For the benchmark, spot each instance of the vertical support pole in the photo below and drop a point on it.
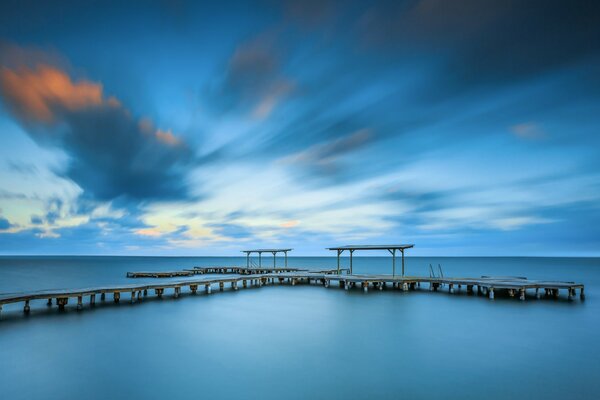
(394, 263)
(92, 299)
(274, 259)
(402, 251)
(260, 259)
(247, 260)
(285, 255)
(338, 260)
(351, 251)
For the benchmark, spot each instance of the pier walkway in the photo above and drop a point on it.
(224, 270)
(236, 277)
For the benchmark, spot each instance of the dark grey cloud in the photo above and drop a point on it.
(5, 224)
(112, 155)
(485, 42)
(254, 81)
(36, 220)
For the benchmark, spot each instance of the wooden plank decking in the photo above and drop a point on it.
(486, 286)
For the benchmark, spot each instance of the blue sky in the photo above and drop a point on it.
(189, 128)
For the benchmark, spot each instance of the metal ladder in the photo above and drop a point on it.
(440, 272)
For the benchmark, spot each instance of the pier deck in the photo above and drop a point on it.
(485, 286)
(224, 271)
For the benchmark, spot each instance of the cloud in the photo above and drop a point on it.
(484, 43)
(528, 130)
(36, 220)
(254, 82)
(323, 158)
(5, 224)
(40, 93)
(111, 155)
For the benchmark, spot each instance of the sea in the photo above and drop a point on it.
(301, 342)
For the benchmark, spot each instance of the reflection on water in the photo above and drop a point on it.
(301, 342)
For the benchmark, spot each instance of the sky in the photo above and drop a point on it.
(193, 128)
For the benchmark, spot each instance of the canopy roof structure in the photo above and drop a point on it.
(260, 251)
(374, 247)
(392, 248)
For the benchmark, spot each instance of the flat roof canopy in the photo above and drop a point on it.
(260, 251)
(374, 247)
(266, 250)
(392, 248)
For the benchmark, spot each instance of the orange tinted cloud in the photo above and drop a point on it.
(290, 224)
(38, 93)
(167, 137)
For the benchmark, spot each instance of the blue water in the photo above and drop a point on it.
(300, 342)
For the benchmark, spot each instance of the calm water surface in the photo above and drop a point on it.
(302, 342)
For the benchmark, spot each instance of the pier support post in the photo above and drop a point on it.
(139, 295)
(116, 297)
(451, 288)
(365, 286)
(49, 302)
(405, 287)
(570, 294)
(234, 284)
(92, 300)
(511, 292)
(469, 289)
(221, 285)
(326, 283)
(0, 310)
(581, 294)
(132, 300)
(244, 283)
(79, 302)
(194, 288)
(177, 291)
(491, 291)
(556, 293)
(102, 296)
(145, 292)
(62, 302)
(537, 293)
(522, 294)
(207, 288)
(26, 309)
(346, 285)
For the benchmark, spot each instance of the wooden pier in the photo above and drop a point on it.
(224, 271)
(484, 286)
(159, 274)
